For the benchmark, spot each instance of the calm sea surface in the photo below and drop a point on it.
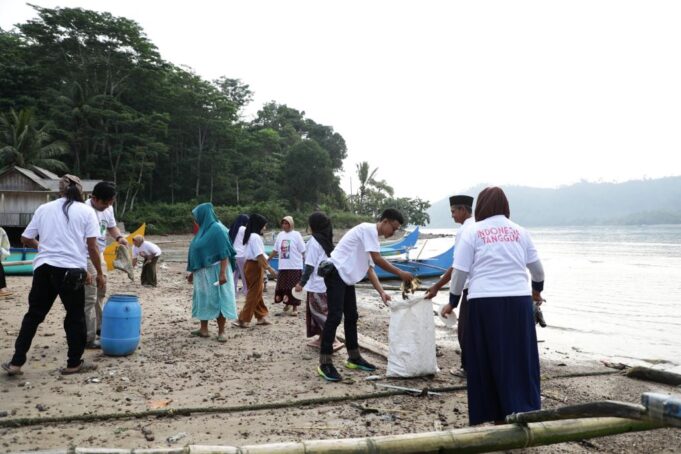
(612, 292)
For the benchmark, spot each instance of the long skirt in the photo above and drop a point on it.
(255, 305)
(239, 273)
(149, 272)
(317, 309)
(3, 282)
(502, 359)
(211, 301)
(286, 281)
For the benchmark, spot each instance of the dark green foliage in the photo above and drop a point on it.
(102, 103)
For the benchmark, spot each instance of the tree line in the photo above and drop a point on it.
(88, 93)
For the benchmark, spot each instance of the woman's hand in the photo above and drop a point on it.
(446, 310)
(385, 298)
(190, 278)
(299, 288)
(223, 278)
(536, 297)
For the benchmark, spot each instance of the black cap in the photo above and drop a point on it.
(465, 200)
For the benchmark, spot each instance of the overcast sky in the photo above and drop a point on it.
(443, 95)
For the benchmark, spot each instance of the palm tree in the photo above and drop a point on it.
(367, 182)
(23, 144)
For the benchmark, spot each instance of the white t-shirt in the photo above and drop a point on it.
(239, 245)
(290, 248)
(147, 250)
(63, 242)
(254, 247)
(466, 224)
(495, 252)
(314, 255)
(351, 256)
(106, 221)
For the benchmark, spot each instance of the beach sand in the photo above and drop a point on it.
(262, 364)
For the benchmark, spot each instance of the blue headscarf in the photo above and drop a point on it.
(211, 243)
(242, 219)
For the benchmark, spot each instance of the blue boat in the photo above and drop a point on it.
(430, 267)
(19, 255)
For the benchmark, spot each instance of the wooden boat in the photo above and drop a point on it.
(19, 262)
(428, 267)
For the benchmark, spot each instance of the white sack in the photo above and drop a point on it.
(411, 338)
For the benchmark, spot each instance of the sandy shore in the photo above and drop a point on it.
(256, 366)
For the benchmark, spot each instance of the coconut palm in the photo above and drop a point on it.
(368, 184)
(24, 145)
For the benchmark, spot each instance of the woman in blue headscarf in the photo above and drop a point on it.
(236, 236)
(210, 264)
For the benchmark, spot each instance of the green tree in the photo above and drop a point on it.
(24, 144)
(307, 174)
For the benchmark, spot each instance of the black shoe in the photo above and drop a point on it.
(328, 372)
(361, 364)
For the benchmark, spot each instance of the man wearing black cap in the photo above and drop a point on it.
(461, 207)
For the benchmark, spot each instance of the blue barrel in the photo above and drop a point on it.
(121, 323)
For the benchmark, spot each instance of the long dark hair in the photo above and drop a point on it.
(491, 202)
(72, 194)
(255, 224)
(322, 231)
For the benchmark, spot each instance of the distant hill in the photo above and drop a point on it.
(656, 201)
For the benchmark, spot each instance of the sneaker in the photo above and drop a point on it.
(361, 364)
(328, 372)
(94, 345)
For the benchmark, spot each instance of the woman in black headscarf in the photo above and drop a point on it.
(318, 249)
(256, 264)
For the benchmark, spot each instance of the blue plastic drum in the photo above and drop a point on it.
(121, 325)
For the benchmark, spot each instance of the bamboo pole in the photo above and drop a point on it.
(467, 440)
(17, 263)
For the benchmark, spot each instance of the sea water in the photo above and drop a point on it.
(613, 292)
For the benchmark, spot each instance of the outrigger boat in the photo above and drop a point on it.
(428, 267)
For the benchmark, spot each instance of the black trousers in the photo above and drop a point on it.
(462, 325)
(342, 304)
(3, 283)
(48, 282)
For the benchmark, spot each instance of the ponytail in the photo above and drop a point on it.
(72, 194)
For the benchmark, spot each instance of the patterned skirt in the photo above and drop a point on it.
(286, 280)
(315, 314)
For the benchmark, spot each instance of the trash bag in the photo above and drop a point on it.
(411, 339)
(123, 261)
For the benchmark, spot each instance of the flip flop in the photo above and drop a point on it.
(199, 333)
(264, 322)
(221, 339)
(239, 324)
(82, 367)
(11, 372)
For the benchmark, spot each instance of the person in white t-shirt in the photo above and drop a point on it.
(236, 236)
(256, 264)
(68, 231)
(502, 360)
(289, 247)
(352, 260)
(103, 197)
(461, 207)
(317, 250)
(150, 254)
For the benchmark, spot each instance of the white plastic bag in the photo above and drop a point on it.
(411, 338)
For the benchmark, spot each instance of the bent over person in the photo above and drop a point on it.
(150, 254)
(68, 231)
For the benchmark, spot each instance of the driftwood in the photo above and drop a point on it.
(605, 408)
(654, 375)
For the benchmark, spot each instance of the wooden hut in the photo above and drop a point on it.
(23, 190)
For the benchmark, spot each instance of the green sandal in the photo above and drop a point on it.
(199, 333)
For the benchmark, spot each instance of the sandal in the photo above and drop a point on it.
(199, 333)
(263, 321)
(11, 372)
(239, 324)
(294, 313)
(82, 367)
(221, 338)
